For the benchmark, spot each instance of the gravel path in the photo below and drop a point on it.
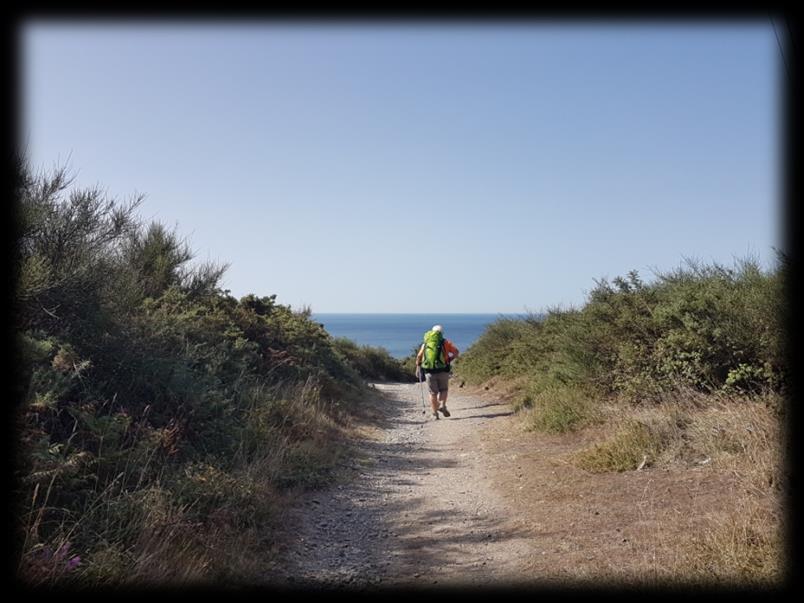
(421, 510)
(475, 500)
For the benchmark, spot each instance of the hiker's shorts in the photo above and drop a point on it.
(437, 382)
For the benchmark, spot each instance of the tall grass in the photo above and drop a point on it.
(558, 409)
(162, 424)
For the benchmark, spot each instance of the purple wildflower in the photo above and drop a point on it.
(61, 552)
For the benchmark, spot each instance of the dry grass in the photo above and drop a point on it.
(744, 545)
(743, 542)
(633, 445)
(204, 523)
(740, 541)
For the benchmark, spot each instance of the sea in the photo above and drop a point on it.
(401, 334)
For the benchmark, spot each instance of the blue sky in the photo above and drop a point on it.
(427, 167)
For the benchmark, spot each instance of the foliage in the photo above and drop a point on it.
(146, 391)
(708, 327)
(373, 362)
(558, 409)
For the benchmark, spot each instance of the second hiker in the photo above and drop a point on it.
(434, 358)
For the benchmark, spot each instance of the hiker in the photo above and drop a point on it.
(434, 358)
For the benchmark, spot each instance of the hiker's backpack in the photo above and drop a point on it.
(435, 356)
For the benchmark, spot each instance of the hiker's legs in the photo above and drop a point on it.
(443, 386)
(434, 401)
(437, 384)
(442, 394)
(432, 385)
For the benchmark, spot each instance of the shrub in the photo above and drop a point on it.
(155, 407)
(704, 326)
(372, 362)
(559, 409)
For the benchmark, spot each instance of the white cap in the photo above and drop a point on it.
(437, 328)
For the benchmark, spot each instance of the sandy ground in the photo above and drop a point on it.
(474, 500)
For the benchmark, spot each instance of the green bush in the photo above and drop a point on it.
(139, 376)
(706, 327)
(559, 409)
(372, 362)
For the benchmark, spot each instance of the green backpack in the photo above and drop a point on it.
(434, 354)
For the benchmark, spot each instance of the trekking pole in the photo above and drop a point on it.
(424, 406)
(421, 390)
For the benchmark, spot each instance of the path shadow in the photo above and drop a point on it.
(487, 405)
(488, 416)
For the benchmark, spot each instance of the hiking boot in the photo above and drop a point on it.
(444, 410)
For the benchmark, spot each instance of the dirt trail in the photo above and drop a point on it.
(474, 500)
